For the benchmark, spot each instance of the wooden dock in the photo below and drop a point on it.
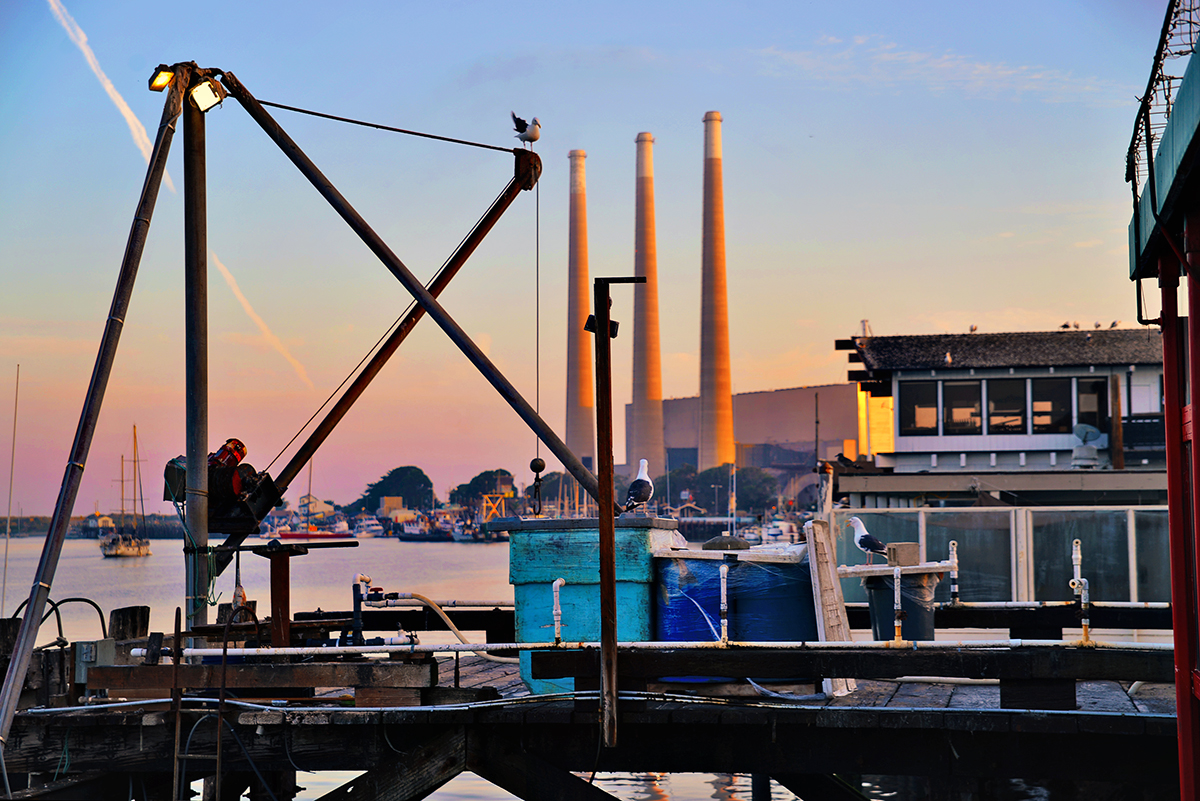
(534, 748)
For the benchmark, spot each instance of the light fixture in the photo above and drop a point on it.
(207, 94)
(161, 78)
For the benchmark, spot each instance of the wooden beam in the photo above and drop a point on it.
(999, 663)
(347, 674)
(421, 769)
(520, 771)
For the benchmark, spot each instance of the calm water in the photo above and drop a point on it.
(322, 579)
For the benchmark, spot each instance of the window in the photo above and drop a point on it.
(1051, 405)
(1093, 402)
(1006, 406)
(918, 408)
(962, 403)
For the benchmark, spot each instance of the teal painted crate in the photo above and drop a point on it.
(542, 550)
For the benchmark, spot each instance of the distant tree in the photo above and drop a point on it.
(409, 483)
(675, 483)
(472, 492)
(712, 490)
(756, 489)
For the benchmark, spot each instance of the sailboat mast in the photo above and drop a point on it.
(12, 462)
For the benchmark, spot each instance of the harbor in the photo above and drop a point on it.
(966, 572)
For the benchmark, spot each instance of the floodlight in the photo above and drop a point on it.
(161, 78)
(207, 94)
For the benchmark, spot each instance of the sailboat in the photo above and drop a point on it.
(123, 542)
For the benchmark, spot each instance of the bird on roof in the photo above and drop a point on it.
(949, 359)
(864, 541)
(525, 131)
(974, 328)
(1097, 323)
(1115, 323)
(641, 490)
(1065, 326)
(1076, 324)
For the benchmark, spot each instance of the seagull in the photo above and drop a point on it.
(863, 539)
(1076, 324)
(949, 359)
(525, 131)
(974, 328)
(1097, 324)
(1065, 326)
(641, 490)
(1115, 323)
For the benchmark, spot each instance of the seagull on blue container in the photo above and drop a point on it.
(641, 490)
(866, 543)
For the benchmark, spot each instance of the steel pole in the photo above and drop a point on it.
(604, 453)
(195, 246)
(1179, 519)
(439, 315)
(40, 591)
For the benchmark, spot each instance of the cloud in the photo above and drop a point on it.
(270, 337)
(875, 61)
(135, 126)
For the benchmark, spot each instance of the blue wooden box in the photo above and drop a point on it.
(542, 550)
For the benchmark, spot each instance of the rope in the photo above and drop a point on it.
(537, 309)
(385, 127)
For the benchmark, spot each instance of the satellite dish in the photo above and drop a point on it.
(1086, 433)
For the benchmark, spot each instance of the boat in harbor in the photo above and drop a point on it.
(120, 541)
(367, 528)
(119, 544)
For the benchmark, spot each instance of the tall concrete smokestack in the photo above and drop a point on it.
(646, 441)
(716, 391)
(581, 414)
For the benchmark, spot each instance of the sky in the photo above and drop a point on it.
(924, 166)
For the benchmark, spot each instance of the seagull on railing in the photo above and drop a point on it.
(864, 540)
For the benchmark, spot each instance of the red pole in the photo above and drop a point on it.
(1180, 494)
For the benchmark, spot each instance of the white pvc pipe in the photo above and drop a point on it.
(724, 570)
(665, 646)
(558, 583)
(406, 599)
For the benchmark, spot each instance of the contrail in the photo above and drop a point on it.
(135, 126)
(262, 326)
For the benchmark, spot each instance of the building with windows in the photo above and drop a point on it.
(1017, 401)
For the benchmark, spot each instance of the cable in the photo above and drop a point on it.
(385, 127)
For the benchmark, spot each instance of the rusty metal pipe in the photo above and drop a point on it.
(73, 475)
(459, 337)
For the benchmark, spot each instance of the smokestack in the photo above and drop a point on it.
(581, 415)
(646, 440)
(716, 392)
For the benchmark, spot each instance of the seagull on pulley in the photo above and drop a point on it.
(641, 490)
(865, 542)
(525, 131)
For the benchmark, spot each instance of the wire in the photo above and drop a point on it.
(385, 127)
(537, 308)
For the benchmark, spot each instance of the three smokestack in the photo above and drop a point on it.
(646, 440)
(716, 389)
(581, 413)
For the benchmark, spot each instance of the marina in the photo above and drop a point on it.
(957, 645)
